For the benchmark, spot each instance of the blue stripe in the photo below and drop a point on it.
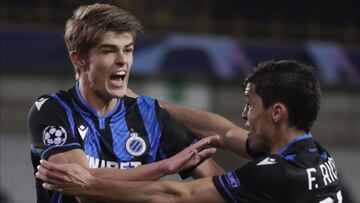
(302, 137)
(313, 149)
(34, 151)
(120, 133)
(324, 155)
(290, 157)
(91, 142)
(56, 197)
(62, 146)
(91, 109)
(148, 113)
(68, 112)
(60, 198)
(226, 189)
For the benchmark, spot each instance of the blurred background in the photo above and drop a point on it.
(194, 53)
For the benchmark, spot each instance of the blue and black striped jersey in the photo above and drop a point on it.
(136, 132)
(301, 172)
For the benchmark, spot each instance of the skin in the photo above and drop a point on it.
(74, 180)
(263, 124)
(114, 53)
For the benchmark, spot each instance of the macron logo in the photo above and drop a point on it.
(267, 161)
(40, 102)
(82, 131)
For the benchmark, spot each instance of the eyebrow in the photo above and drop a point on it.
(112, 46)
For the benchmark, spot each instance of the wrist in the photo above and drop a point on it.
(164, 167)
(93, 186)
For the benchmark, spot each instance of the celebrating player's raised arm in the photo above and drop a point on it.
(203, 124)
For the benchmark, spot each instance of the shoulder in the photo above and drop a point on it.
(267, 174)
(49, 105)
(260, 168)
(260, 180)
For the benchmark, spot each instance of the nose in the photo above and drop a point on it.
(244, 113)
(120, 59)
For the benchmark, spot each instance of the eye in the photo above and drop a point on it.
(129, 50)
(106, 51)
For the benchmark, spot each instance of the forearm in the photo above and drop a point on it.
(199, 191)
(152, 171)
(122, 191)
(198, 122)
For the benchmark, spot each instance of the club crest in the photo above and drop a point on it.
(135, 145)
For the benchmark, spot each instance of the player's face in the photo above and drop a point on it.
(109, 65)
(258, 121)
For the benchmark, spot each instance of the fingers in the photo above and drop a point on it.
(51, 173)
(52, 166)
(201, 144)
(206, 153)
(49, 186)
(51, 176)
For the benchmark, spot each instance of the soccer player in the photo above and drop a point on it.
(283, 100)
(94, 125)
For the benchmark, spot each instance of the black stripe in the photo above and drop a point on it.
(134, 121)
(106, 141)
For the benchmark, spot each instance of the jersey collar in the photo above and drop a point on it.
(291, 144)
(86, 107)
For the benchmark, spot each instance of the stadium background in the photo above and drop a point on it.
(194, 53)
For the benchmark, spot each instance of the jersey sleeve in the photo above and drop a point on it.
(260, 180)
(51, 128)
(174, 138)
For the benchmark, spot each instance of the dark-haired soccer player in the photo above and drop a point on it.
(283, 100)
(94, 125)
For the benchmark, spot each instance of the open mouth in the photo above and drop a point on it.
(118, 76)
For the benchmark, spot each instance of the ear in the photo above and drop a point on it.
(280, 112)
(76, 59)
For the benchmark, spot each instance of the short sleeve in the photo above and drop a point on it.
(260, 180)
(51, 128)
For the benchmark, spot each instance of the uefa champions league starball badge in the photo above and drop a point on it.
(135, 145)
(54, 136)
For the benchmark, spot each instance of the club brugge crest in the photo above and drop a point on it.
(135, 145)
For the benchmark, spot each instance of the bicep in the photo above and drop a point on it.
(75, 156)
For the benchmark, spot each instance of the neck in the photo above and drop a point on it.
(284, 137)
(100, 103)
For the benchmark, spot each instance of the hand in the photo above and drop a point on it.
(68, 178)
(191, 156)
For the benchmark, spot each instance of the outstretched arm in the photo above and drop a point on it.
(190, 156)
(78, 181)
(204, 124)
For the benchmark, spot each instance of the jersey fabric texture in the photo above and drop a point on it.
(301, 172)
(136, 132)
